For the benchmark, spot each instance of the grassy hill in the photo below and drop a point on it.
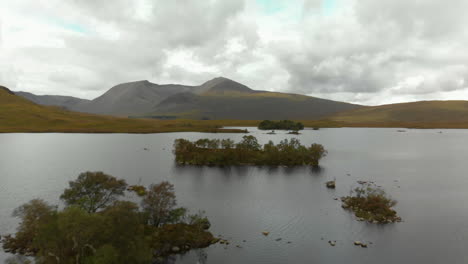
(18, 114)
(423, 114)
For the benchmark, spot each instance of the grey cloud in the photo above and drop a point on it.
(374, 46)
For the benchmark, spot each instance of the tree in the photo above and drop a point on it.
(317, 152)
(249, 143)
(32, 215)
(93, 191)
(125, 233)
(158, 203)
(227, 143)
(92, 230)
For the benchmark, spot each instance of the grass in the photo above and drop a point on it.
(424, 114)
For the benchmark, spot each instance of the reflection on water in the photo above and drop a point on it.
(422, 169)
(198, 256)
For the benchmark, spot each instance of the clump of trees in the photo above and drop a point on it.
(371, 203)
(97, 226)
(281, 125)
(247, 152)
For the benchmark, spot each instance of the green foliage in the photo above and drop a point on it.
(248, 151)
(371, 203)
(138, 189)
(182, 235)
(34, 215)
(281, 125)
(158, 203)
(117, 232)
(93, 191)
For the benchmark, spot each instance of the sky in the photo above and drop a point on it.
(361, 51)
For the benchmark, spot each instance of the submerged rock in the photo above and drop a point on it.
(331, 184)
(357, 243)
(265, 233)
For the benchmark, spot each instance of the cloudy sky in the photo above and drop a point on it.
(361, 51)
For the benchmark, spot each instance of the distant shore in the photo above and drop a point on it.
(146, 126)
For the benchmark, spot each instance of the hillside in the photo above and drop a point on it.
(18, 114)
(424, 114)
(67, 102)
(222, 98)
(130, 98)
(219, 98)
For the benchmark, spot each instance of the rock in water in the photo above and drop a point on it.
(175, 249)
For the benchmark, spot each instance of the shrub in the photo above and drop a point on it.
(371, 203)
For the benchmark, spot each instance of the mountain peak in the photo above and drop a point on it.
(222, 84)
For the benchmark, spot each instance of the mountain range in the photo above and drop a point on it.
(220, 98)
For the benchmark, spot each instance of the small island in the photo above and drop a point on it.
(98, 226)
(371, 203)
(248, 151)
(280, 125)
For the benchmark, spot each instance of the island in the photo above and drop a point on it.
(280, 125)
(216, 152)
(371, 203)
(98, 226)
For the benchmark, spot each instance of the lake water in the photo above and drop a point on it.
(426, 171)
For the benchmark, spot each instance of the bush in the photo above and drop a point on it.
(371, 203)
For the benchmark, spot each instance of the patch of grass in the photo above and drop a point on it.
(424, 114)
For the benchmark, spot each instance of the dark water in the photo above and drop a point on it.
(424, 170)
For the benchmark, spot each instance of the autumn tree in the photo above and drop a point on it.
(158, 203)
(93, 191)
(32, 216)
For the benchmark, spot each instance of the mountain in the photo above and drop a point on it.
(67, 102)
(436, 114)
(222, 98)
(133, 98)
(18, 114)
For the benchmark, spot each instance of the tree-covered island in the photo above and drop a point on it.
(280, 125)
(98, 227)
(248, 151)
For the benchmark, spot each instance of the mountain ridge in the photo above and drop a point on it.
(218, 98)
